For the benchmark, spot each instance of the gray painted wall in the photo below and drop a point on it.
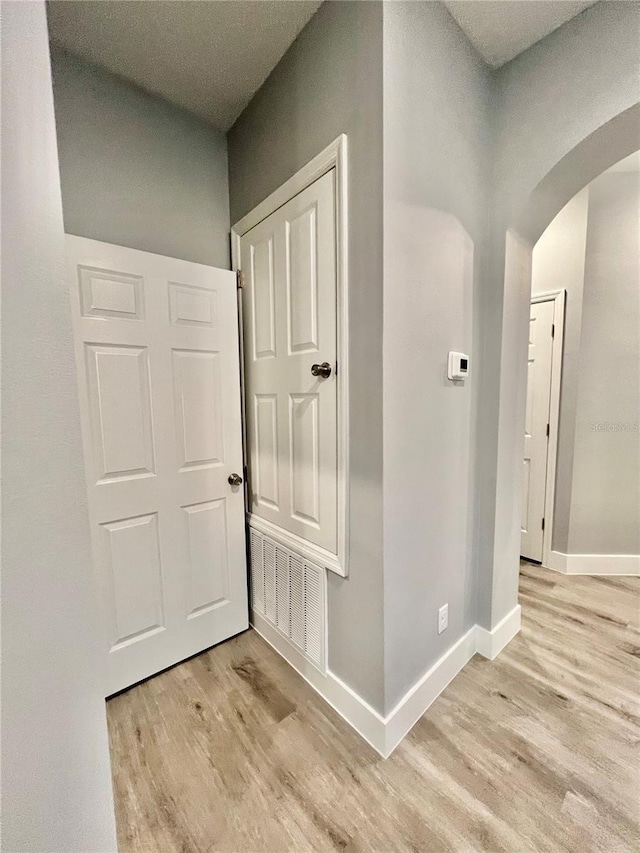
(137, 171)
(431, 140)
(605, 506)
(330, 82)
(436, 160)
(544, 109)
(56, 782)
(558, 262)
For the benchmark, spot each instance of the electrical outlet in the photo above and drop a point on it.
(443, 618)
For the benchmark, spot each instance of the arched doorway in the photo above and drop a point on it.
(511, 258)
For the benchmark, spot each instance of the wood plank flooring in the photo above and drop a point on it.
(232, 752)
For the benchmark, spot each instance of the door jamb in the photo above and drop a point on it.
(558, 297)
(334, 156)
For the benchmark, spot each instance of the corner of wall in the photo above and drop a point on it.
(57, 790)
(126, 155)
(329, 82)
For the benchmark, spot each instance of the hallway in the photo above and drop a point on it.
(233, 751)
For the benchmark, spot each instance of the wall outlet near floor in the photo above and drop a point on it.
(443, 618)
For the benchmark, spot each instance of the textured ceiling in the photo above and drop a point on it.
(208, 57)
(501, 29)
(211, 56)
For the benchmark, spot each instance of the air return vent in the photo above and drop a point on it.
(289, 592)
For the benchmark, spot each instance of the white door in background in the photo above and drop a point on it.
(289, 267)
(158, 370)
(536, 437)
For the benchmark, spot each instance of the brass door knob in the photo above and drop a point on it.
(235, 480)
(323, 370)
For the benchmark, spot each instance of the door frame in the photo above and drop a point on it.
(334, 156)
(558, 297)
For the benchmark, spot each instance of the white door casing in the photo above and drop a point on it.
(289, 266)
(537, 427)
(158, 370)
(333, 157)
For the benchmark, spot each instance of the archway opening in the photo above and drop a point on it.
(609, 144)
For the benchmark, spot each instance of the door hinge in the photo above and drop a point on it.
(543, 523)
(239, 279)
(553, 330)
(548, 430)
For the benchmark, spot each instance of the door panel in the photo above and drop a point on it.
(289, 264)
(134, 567)
(107, 294)
(158, 370)
(536, 420)
(304, 463)
(208, 579)
(302, 294)
(261, 276)
(266, 474)
(198, 413)
(120, 404)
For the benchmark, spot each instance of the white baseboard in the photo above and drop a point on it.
(489, 644)
(594, 564)
(359, 714)
(385, 733)
(399, 722)
(557, 561)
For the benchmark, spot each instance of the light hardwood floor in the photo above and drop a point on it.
(537, 750)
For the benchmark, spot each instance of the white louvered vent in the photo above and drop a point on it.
(289, 592)
(257, 573)
(269, 559)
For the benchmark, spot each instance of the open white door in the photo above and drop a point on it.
(158, 370)
(289, 269)
(537, 428)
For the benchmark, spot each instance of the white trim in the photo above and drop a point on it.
(489, 644)
(385, 733)
(400, 721)
(359, 714)
(557, 561)
(334, 156)
(303, 547)
(594, 564)
(558, 297)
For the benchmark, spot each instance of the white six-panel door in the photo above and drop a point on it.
(158, 370)
(289, 267)
(536, 433)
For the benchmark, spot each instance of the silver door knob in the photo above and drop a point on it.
(235, 480)
(323, 370)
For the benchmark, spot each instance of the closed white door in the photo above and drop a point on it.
(536, 436)
(158, 370)
(289, 268)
